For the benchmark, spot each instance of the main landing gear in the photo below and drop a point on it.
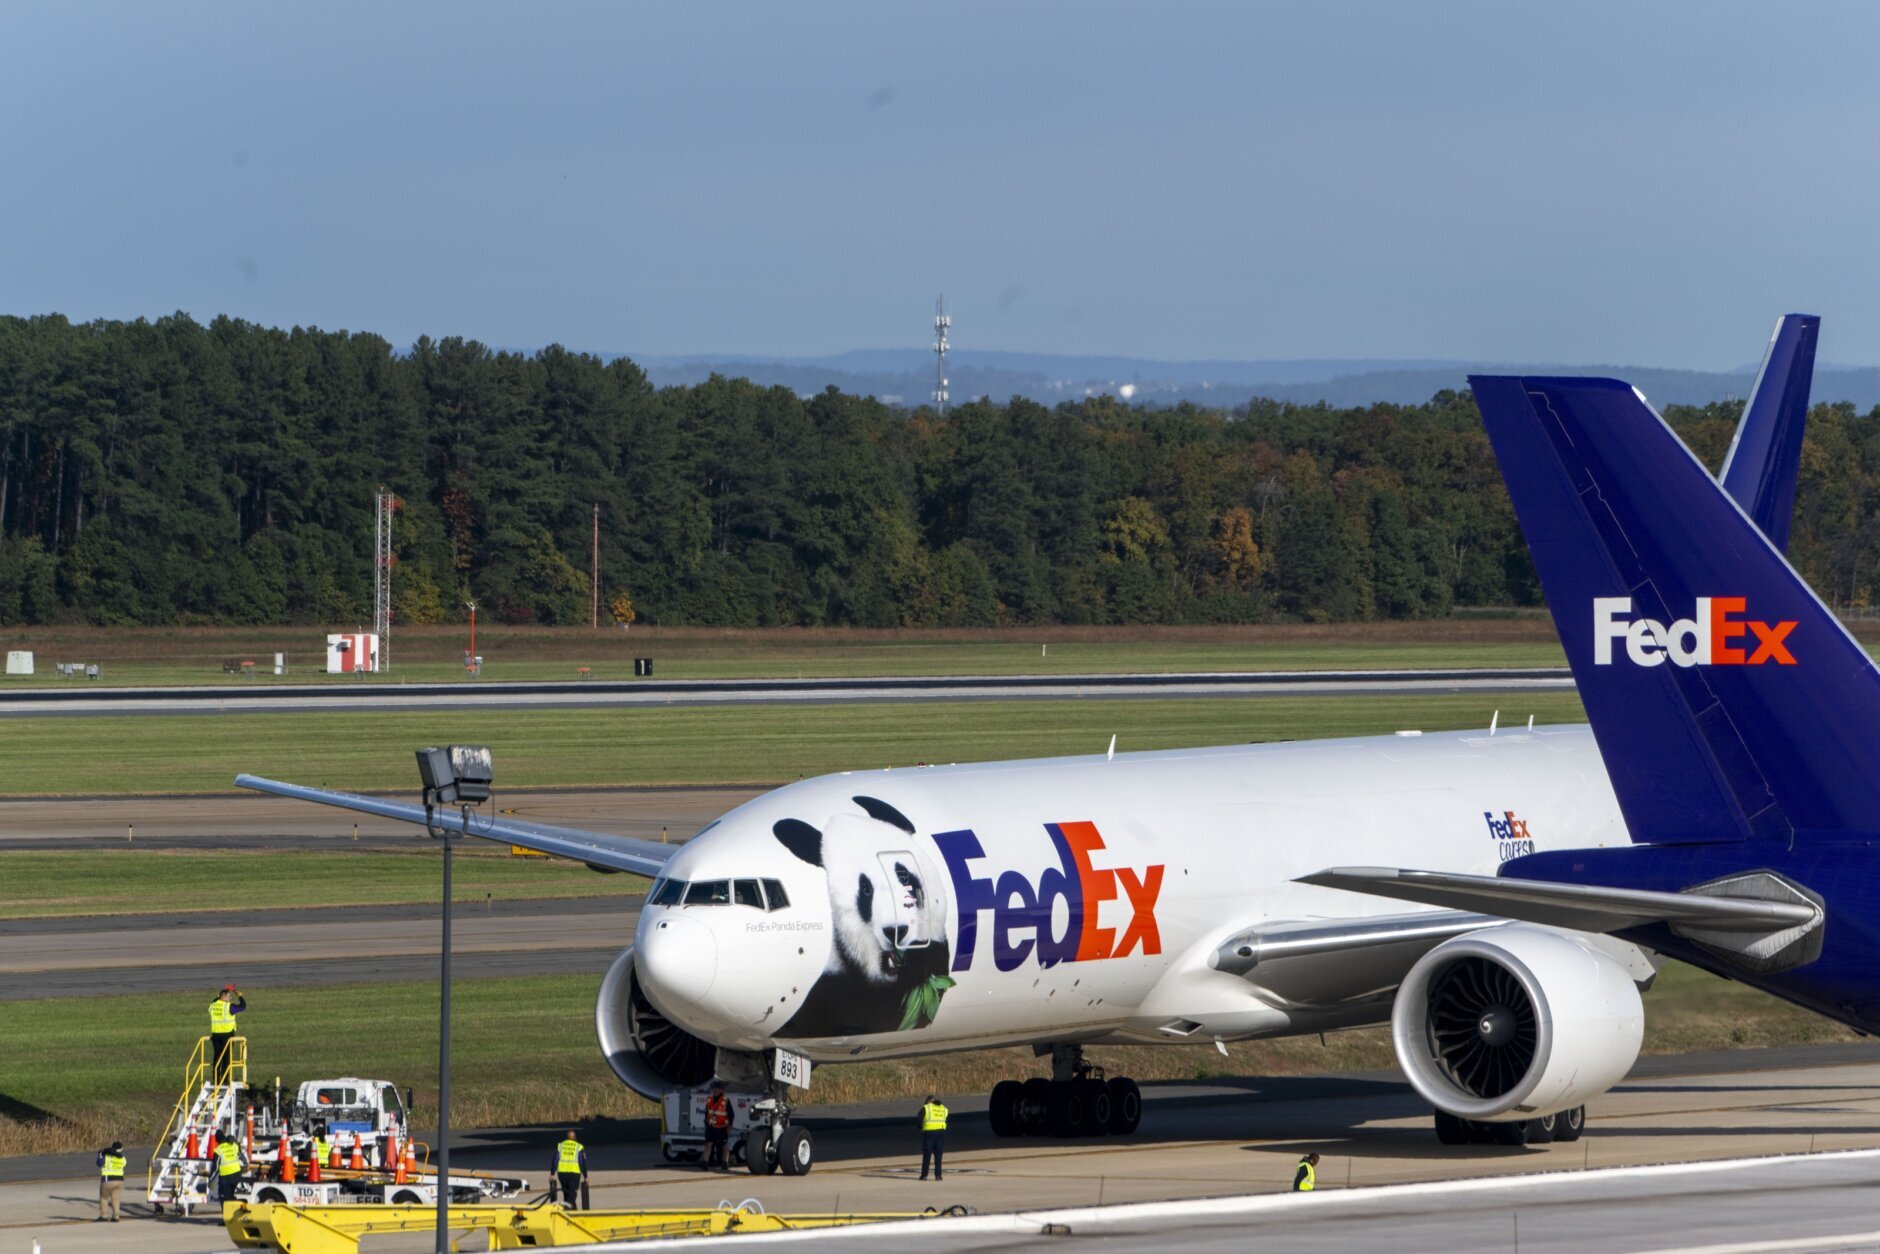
(1076, 1101)
(1567, 1125)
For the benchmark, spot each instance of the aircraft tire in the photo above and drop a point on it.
(1543, 1130)
(1002, 1109)
(757, 1154)
(1070, 1111)
(1097, 1102)
(1034, 1106)
(1125, 1105)
(795, 1153)
(1569, 1124)
(1511, 1134)
(1451, 1129)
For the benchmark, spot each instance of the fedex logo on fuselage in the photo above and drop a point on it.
(1022, 911)
(1707, 638)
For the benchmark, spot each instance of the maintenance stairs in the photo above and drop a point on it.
(181, 1172)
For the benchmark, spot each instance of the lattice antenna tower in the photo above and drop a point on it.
(942, 323)
(383, 505)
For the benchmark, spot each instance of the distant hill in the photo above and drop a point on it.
(905, 377)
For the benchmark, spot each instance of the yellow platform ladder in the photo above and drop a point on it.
(206, 1103)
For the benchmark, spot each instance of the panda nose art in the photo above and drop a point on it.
(677, 961)
(897, 935)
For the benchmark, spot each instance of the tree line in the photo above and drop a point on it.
(168, 472)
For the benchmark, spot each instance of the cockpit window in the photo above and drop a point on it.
(779, 900)
(668, 892)
(709, 893)
(746, 893)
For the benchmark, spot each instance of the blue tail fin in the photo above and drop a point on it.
(1727, 701)
(1760, 470)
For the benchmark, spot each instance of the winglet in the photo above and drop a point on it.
(1760, 469)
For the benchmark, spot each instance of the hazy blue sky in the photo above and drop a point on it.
(1646, 183)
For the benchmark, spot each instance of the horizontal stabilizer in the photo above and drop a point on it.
(605, 852)
(1584, 907)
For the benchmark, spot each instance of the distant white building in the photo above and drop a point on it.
(347, 652)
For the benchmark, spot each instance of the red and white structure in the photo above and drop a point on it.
(350, 651)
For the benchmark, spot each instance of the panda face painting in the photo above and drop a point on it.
(888, 953)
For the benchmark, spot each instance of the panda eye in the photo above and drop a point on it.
(865, 898)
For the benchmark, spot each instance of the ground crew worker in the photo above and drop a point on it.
(717, 1127)
(110, 1181)
(570, 1169)
(1306, 1178)
(222, 1011)
(933, 1136)
(228, 1165)
(321, 1146)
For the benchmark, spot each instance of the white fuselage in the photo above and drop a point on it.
(1080, 899)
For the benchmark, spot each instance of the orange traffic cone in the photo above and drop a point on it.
(332, 1156)
(358, 1160)
(401, 1173)
(249, 1135)
(388, 1150)
(189, 1150)
(411, 1159)
(286, 1159)
(313, 1169)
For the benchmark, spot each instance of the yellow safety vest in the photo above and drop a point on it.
(230, 1159)
(933, 1117)
(321, 1148)
(569, 1156)
(1311, 1181)
(221, 1018)
(113, 1167)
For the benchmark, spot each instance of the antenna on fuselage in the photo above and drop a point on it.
(1112, 753)
(1494, 722)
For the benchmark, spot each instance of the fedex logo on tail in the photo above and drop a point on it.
(1716, 635)
(1022, 912)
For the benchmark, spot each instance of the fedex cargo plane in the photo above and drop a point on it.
(1182, 896)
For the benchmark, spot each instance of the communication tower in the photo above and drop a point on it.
(942, 323)
(383, 505)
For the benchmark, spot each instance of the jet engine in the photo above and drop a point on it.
(650, 1053)
(1515, 1023)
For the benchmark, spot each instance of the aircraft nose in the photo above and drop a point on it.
(678, 960)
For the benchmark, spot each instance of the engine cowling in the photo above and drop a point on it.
(650, 1053)
(1516, 1022)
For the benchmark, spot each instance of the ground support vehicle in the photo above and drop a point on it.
(365, 1123)
(682, 1123)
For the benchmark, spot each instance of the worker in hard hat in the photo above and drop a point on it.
(229, 1164)
(110, 1181)
(222, 1011)
(571, 1167)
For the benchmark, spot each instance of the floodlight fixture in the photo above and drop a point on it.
(456, 775)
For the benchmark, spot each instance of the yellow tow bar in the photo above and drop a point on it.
(339, 1229)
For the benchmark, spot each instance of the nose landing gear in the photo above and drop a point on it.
(773, 1141)
(1077, 1101)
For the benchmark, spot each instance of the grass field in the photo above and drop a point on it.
(743, 745)
(111, 881)
(80, 1072)
(173, 656)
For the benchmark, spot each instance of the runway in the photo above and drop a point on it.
(80, 702)
(1239, 1139)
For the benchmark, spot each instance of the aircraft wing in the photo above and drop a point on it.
(600, 851)
(1583, 907)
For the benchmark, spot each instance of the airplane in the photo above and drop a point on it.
(1158, 897)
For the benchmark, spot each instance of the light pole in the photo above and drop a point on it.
(460, 776)
(470, 658)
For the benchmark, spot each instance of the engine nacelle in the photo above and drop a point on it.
(649, 1052)
(1516, 1022)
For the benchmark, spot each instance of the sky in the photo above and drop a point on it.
(1579, 183)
